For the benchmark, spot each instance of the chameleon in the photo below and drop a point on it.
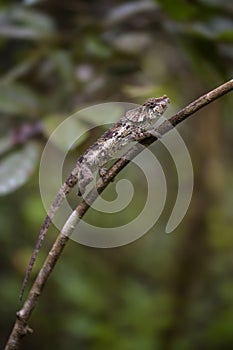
(135, 124)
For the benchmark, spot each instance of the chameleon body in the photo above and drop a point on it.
(135, 124)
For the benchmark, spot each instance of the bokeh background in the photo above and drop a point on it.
(162, 291)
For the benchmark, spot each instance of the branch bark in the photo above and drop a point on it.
(21, 327)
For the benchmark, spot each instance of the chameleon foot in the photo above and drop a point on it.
(102, 173)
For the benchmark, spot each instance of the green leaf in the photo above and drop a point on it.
(101, 114)
(226, 36)
(21, 22)
(97, 48)
(17, 99)
(65, 131)
(5, 144)
(17, 167)
(180, 10)
(65, 67)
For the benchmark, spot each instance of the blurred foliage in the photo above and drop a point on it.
(163, 291)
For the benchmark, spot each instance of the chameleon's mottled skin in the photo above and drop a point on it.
(136, 123)
(131, 126)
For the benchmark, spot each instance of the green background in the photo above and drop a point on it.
(162, 291)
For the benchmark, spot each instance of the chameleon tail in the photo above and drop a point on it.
(39, 242)
(65, 189)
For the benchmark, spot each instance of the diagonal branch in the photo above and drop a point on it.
(21, 327)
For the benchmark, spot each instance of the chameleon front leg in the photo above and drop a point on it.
(102, 173)
(154, 133)
(85, 176)
(138, 135)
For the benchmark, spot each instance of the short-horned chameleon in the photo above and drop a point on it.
(135, 124)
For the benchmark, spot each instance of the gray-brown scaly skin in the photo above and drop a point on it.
(135, 124)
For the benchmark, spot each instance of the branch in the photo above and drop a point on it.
(21, 327)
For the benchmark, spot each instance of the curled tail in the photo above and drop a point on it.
(64, 190)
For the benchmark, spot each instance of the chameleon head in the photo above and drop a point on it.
(147, 113)
(157, 106)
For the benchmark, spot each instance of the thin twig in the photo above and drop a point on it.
(21, 327)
